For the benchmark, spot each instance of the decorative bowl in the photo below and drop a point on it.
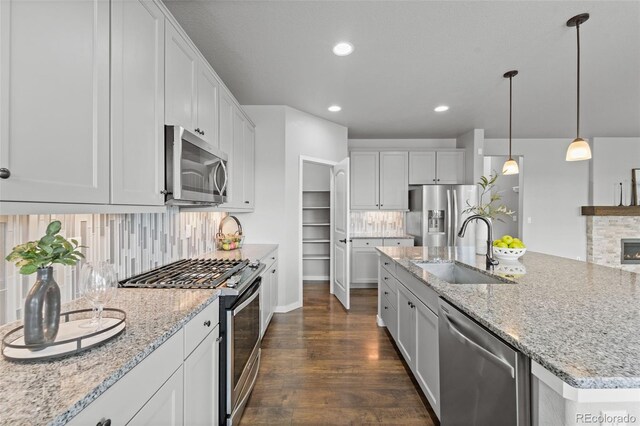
(508, 253)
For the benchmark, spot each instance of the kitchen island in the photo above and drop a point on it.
(578, 323)
(54, 392)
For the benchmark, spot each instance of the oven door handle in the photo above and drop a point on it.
(250, 299)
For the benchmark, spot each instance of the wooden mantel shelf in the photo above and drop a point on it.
(610, 211)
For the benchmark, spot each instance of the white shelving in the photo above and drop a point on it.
(316, 235)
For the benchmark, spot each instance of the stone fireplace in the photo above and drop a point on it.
(614, 241)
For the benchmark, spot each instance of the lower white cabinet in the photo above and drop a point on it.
(268, 290)
(165, 407)
(364, 257)
(201, 382)
(413, 326)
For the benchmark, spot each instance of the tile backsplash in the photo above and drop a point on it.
(134, 243)
(378, 223)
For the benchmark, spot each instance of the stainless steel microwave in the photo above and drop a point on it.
(195, 171)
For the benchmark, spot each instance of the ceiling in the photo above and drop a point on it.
(411, 56)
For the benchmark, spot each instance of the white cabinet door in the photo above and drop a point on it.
(450, 168)
(364, 265)
(265, 301)
(365, 180)
(236, 162)
(422, 168)
(165, 407)
(181, 67)
(54, 101)
(394, 181)
(207, 105)
(249, 165)
(201, 382)
(274, 287)
(406, 326)
(137, 102)
(427, 369)
(226, 122)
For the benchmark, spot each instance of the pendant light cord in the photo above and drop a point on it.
(510, 109)
(578, 84)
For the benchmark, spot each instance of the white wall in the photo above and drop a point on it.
(554, 192)
(317, 177)
(283, 134)
(472, 142)
(613, 159)
(400, 144)
(504, 185)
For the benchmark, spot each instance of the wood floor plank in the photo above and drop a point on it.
(323, 365)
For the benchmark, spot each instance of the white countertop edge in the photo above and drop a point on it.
(582, 395)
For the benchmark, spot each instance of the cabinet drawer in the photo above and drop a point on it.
(367, 242)
(425, 294)
(389, 317)
(389, 289)
(398, 242)
(270, 259)
(388, 265)
(200, 326)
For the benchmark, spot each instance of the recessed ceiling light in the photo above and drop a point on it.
(335, 108)
(343, 48)
(441, 108)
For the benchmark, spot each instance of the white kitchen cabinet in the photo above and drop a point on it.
(379, 180)
(165, 407)
(394, 181)
(365, 180)
(54, 101)
(207, 105)
(422, 168)
(427, 368)
(249, 180)
(181, 69)
(201, 382)
(274, 288)
(226, 114)
(450, 167)
(236, 162)
(137, 102)
(268, 290)
(241, 165)
(364, 261)
(436, 167)
(406, 326)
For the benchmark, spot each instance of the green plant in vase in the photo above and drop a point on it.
(42, 305)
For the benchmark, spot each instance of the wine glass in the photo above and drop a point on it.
(98, 285)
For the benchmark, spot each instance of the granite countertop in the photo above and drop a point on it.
(359, 235)
(578, 320)
(53, 392)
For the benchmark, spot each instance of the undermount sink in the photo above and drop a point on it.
(454, 273)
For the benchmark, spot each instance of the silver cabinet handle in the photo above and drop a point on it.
(5, 173)
(473, 345)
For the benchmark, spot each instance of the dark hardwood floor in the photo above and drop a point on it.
(322, 365)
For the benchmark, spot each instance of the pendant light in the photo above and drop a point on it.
(510, 166)
(579, 148)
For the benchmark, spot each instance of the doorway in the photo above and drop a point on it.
(511, 188)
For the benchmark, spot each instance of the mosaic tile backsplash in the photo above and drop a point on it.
(603, 239)
(378, 223)
(134, 243)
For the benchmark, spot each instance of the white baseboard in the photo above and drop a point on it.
(364, 285)
(288, 308)
(315, 278)
(379, 321)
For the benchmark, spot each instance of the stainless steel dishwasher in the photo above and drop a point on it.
(483, 381)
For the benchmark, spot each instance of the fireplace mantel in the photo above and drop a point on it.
(610, 210)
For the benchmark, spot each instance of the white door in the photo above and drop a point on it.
(54, 101)
(137, 102)
(341, 252)
(394, 181)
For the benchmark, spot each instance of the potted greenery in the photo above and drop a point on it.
(42, 305)
(492, 209)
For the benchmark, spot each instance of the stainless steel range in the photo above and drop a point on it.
(239, 281)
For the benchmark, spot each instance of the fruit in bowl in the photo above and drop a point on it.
(508, 248)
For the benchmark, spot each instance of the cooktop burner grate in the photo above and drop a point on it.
(190, 273)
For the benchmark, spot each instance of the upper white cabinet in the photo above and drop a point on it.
(379, 180)
(436, 167)
(207, 105)
(181, 68)
(137, 102)
(249, 165)
(226, 113)
(237, 139)
(54, 101)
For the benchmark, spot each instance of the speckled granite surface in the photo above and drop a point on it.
(54, 392)
(580, 321)
(377, 235)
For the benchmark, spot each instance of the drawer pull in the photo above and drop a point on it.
(218, 338)
(386, 307)
(386, 292)
(5, 173)
(207, 323)
(386, 278)
(273, 272)
(398, 243)
(386, 263)
(273, 258)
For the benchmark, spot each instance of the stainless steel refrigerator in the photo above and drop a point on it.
(435, 214)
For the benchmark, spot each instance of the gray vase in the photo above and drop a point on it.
(42, 309)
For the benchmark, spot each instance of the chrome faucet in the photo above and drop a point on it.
(491, 261)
